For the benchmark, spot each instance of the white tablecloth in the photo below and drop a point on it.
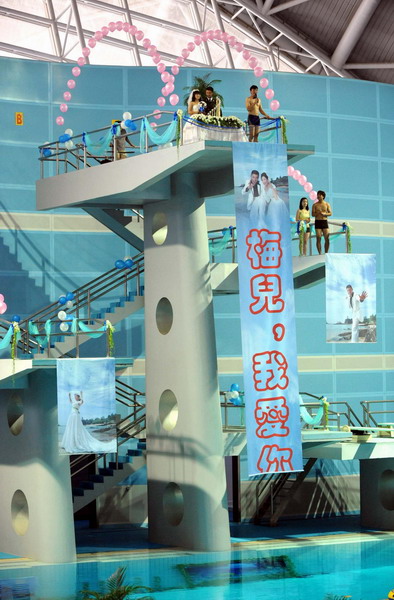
(193, 133)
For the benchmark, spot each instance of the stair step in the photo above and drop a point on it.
(78, 492)
(114, 466)
(141, 445)
(105, 471)
(87, 485)
(134, 452)
(96, 478)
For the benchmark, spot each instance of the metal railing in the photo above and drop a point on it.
(369, 412)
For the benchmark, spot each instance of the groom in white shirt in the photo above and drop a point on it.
(354, 301)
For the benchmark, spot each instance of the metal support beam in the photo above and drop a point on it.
(353, 31)
(136, 52)
(220, 26)
(285, 5)
(78, 26)
(54, 29)
(205, 48)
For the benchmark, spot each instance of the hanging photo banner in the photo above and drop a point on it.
(267, 308)
(351, 298)
(86, 405)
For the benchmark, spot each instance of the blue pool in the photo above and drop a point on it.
(301, 570)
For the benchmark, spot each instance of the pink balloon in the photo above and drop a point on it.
(274, 105)
(210, 34)
(139, 35)
(126, 27)
(1, 298)
(264, 82)
(86, 51)
(232, 40)
(175, 69)
(185, 53)
(252, 62)
(204, 36)
(63, 107)
(105, 31)
(133, 29)
(308, 187)
(3, 308)
(67, 96)
(153, 125)
(76, 71)
(197, 40)
(313, 195)
(92, 42)
(152, 50)
(224, 36)
(71, 84)
(146, 43)
(217, 33)
(171, 78)
(190, 46)
(161, 101)
(246, 54)
(59, 121)
(174, 99)
(239, 47)
(179, 61)
(165, 76)
(269, 94)
(112, 26)
(81, 61)
(119, 25)
(290, 170)
(98, 36)
(169, 87)
(302, 180)
(156, 58)
(157, 113)
(161, 67)
(296, 174)
(258, 71)
(164, 91)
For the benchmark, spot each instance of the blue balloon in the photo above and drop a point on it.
(70, 296)
(128, 263)
(47, 152)
(64, 138)
(128, 122)
(132, 126)
(62, 300)
(15, 318)
(234, 387)
(119, 264)
(236, 401)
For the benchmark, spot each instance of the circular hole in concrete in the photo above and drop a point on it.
(159, 228)
(164, 315)
(386, 489)
(168, 410)
(173, 504)
(15, 414)
(19, 512)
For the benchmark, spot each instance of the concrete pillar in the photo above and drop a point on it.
(36, 515)
(377, 493)
(186, 478)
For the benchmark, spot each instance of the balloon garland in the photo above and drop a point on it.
(302, 180)
(167, 78)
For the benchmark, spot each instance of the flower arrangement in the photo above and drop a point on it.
(225, 122)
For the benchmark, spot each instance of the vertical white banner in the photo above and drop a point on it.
(267, 308)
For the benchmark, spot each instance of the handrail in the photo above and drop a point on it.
(368, 414)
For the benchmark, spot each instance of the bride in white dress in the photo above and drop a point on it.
(194, 106)
(76, 438)
(268, 209)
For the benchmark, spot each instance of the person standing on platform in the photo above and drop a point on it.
(354, 301)
(303, 214)
(212, 103)
(254, 108)
(321, 210)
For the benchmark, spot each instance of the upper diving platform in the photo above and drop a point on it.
(144, 178)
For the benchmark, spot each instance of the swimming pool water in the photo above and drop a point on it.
(363, 570)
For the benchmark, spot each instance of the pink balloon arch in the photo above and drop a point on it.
(302, 180)
(168, 90)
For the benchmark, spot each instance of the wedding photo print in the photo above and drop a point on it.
(86, 406)
(351, 298)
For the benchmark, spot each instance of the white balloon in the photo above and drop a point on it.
(63, 327)
(69, 132)
(234, 394)
(123, 125)
(62, 315)
(126, 115)
(227, 396)
(69, 304)
(69, 144)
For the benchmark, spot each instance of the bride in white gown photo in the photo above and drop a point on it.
(76, 438)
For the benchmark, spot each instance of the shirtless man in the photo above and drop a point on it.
(254, 107)
(321, 210)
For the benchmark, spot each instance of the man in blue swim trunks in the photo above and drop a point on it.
(254, 108)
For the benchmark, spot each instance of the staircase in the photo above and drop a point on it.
(275, 491)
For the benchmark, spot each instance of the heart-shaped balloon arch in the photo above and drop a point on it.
(169, 78)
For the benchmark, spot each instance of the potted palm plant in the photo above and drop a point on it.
(201, 84)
